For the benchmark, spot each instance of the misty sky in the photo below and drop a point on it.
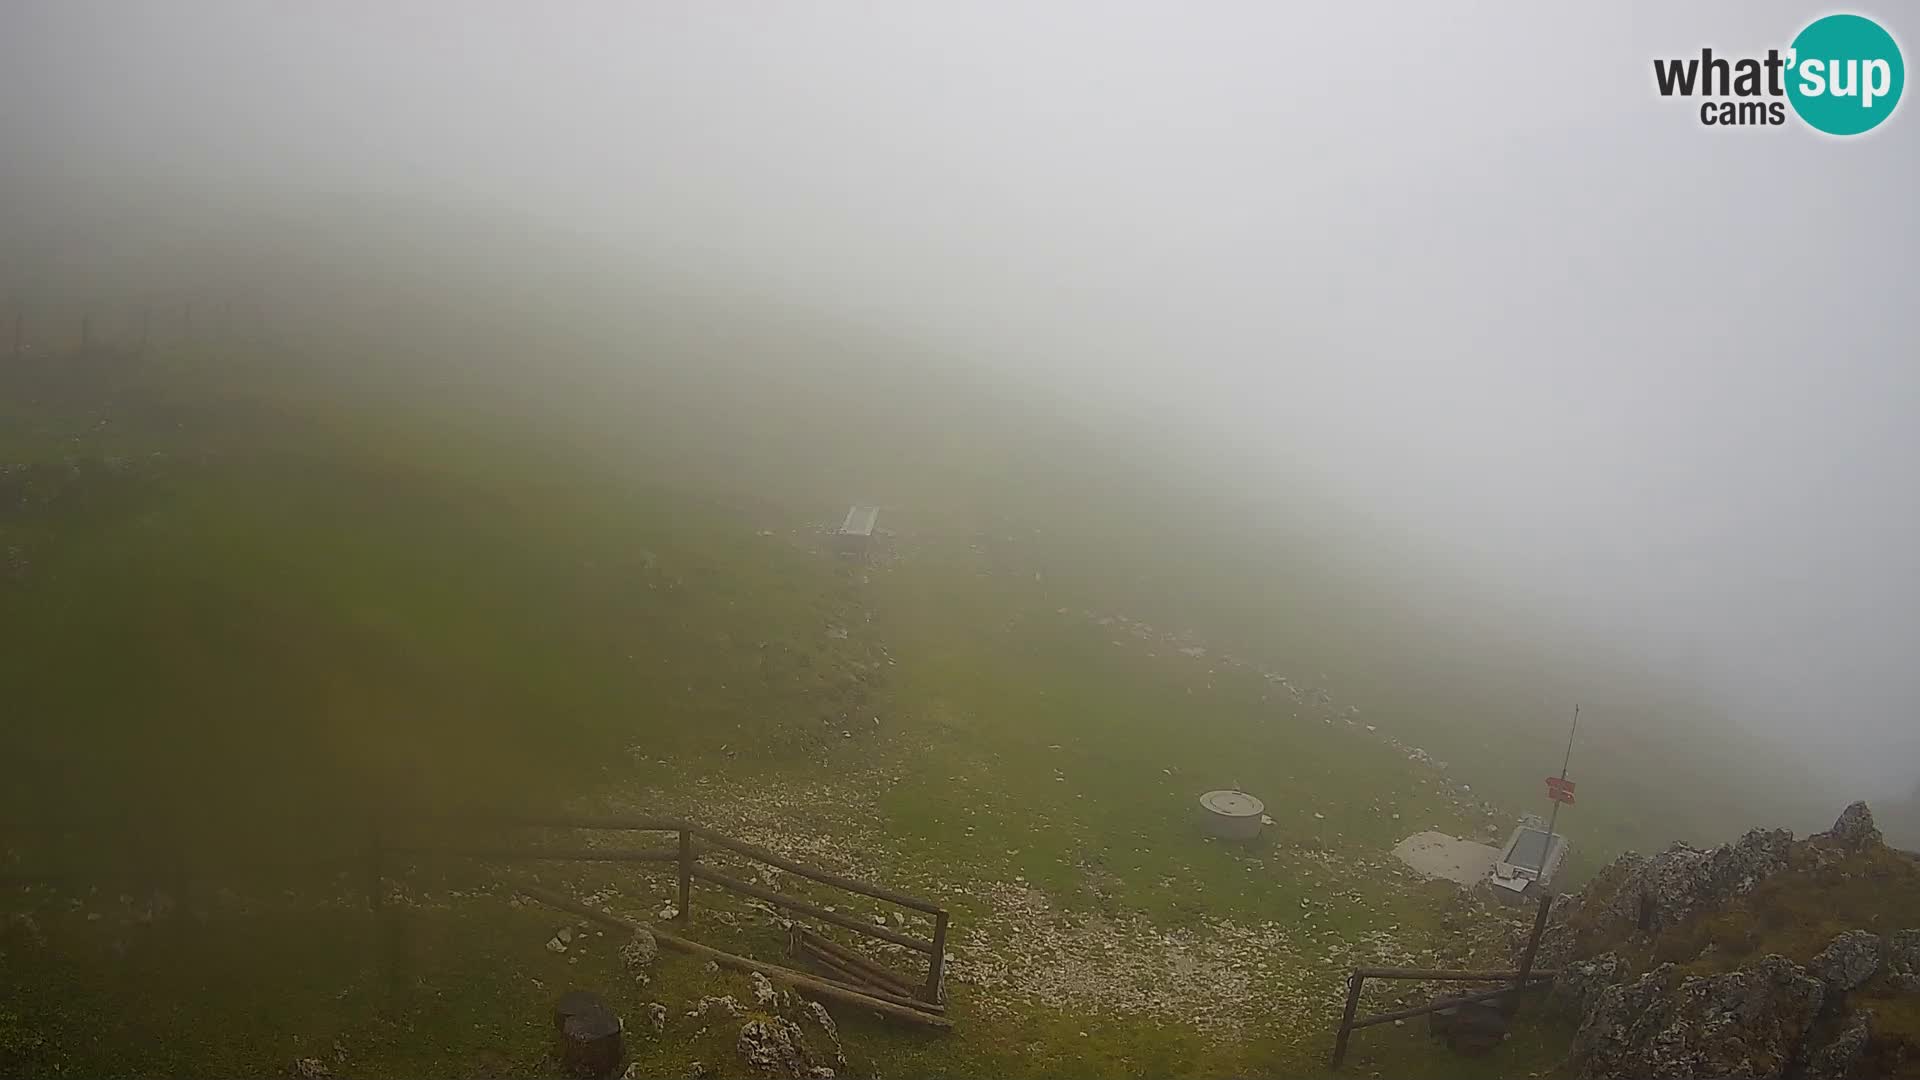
(1463, 266)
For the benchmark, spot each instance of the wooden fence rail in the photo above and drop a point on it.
(687, 857)
(380, 845)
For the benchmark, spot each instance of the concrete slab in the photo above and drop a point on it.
(1435, 854)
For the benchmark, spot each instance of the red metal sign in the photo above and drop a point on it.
(1560, 789)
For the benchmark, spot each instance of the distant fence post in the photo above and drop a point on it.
(936, 967)
(1346, 1019)
(686, 875)
(374, 868)
(180, 875)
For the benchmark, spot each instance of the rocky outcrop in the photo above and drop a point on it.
(1651, 892)
(796, 1040)
(1751, 1022)
(1578, 986)
(1853, 957)
(773, 1046)
(1836, 1060)
(1854, 830)
(1903, 959)
(1771, 1017)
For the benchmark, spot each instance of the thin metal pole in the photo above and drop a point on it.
(1553, 815)
(1570, 734)
(1553, 818)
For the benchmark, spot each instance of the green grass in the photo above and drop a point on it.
(318, 604)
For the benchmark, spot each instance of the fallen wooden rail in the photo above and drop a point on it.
(846, 958)
(851, 979)
(774, 972)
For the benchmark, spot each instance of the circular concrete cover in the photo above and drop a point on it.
(1234, 804)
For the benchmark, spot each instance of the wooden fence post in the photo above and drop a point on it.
(686, 875)
(936, 965)
(1346, 1019)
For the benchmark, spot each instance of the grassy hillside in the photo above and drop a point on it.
(253, 603)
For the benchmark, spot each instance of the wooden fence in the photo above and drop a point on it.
(854, 978)
(693, 841)
(1518, 979)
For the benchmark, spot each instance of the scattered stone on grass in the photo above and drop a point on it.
(640, 951)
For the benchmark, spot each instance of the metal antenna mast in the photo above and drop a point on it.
(1554, 794)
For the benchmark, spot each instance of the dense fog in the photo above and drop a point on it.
(1459, 284)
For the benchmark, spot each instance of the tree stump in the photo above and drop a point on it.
(1472, 1029)
(589, 1034)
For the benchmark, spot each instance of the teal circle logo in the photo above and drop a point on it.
(1845, 74)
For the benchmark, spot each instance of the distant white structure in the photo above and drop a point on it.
(856, 533)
